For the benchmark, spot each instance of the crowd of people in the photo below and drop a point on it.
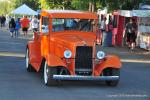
(24, 23)
(16, 24)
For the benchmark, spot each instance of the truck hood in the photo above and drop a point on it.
(74, 38)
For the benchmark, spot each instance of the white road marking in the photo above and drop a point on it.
(129, 95)
(12, 43)
(136, 60)
(10, 54)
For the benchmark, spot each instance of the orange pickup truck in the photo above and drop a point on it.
(65, 49)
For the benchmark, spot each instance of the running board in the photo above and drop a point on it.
(85, 78)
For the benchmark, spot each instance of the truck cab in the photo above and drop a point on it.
(65, 49)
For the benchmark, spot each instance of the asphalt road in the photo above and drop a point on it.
(17, 84)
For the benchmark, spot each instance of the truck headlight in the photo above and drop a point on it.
(67, 54)
(100, 54)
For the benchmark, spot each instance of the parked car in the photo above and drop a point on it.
(64, 49)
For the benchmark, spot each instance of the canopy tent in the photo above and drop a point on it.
(141, 13)
(125, 13)
(24, 10)
(134, 13)
(145, 7)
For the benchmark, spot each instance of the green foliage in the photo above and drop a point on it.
(80, 4)
(55, 4)
(34, 4)
(7, 6)
(31, 3)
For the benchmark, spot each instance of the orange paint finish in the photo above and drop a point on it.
(111, 61)
(44, 45)
(54, 61)
(35, 54)
(69, 14)
(51, 45)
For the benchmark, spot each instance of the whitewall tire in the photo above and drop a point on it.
(48, 75)
(28, 65)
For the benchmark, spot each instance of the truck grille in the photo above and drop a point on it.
(83, 60)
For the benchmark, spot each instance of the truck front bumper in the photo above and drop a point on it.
(85, 78)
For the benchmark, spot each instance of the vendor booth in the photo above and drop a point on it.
(142, 18)
(143, 37)
(120, 18)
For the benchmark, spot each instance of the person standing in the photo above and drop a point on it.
(34, 24)
(109, 32)
(18, 26)
(8, 18)
(12, 26)
(130, 31)
(25, 22)
(103, 31)
(3, 20)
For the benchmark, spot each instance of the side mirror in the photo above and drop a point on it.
(45, 29)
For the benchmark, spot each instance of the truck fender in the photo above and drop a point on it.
(53, 61)
(34, 54)
(110, 61)
(30, 46)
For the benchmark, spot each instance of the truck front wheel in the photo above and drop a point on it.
(48, 75)
(112, 72)
(28, 65)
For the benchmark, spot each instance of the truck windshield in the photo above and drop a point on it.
(86, 25)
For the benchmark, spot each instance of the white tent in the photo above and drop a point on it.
(24, 10)
(137, 13)
(125, 13)
(145, 7)
(141, 13)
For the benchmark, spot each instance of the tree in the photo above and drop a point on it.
(91, 5)
(33, 4)
(123, 4)
(5, 7)
(55, 4)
